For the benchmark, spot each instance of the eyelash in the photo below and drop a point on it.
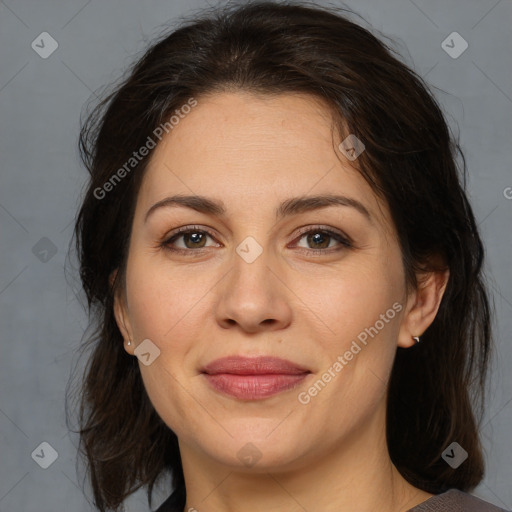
(345, 242)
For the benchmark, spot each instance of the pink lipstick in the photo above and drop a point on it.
(253, 378)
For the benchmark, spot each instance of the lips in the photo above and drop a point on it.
(263, 365)
(253, 378)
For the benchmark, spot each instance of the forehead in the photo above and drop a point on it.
(249, 150)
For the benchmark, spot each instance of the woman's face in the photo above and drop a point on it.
(318, 284)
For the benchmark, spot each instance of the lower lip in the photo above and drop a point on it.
(253, 387)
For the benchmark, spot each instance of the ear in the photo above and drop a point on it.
(422, 306)
(121, 315)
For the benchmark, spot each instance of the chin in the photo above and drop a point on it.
(256, 452)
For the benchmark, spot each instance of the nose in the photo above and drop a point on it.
(253, 297)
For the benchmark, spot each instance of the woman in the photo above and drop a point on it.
(285, 274)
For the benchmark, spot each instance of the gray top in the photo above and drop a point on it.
(455, 501)
(449, 501)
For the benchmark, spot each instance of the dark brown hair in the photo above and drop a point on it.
(411, 160)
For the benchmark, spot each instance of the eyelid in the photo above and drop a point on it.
(187, 229)
(337, 234)
(344, 240)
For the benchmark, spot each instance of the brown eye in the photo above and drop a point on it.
(187, 238)
(194, 239)
(322, 239)
(318, 240)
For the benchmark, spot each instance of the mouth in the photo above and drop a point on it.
(255, 378)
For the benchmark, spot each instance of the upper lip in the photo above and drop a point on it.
(262, 365)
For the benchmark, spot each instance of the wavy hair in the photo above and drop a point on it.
(412, 161)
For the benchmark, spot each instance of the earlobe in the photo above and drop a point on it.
(423, 306)
(122, 317)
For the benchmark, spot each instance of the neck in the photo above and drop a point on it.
(357, 474)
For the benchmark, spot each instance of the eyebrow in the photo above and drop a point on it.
(292, 206)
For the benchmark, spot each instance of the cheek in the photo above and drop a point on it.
(360, 311)
(161, 302)
(164, 307)
(172, 396)
(350, 298)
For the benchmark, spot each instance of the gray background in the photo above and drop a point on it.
(40, 103)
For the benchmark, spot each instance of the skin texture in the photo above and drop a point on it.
(252, 153)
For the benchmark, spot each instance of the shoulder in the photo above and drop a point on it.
(456, 501)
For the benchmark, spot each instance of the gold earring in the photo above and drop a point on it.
(416, 339)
